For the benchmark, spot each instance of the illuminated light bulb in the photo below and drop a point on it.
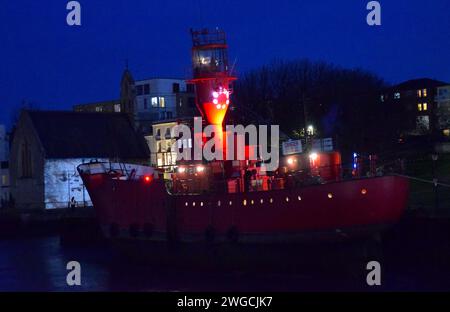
(313, 156)
(218, 106)
(215, 94)
(215, 101)
(290, 161)
(364, 191)
(147, 179)
(228, 102)
(181, 169)
(200, 168)
(223, 106)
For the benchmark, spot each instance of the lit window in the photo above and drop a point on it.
(154, 101)
(193, 204)
(397, 95)
(424, 93)
(252, 202)
(271, 200)
(201, 204)
(5, 180)
(419, 93)
(244, 202)
(446, 132)
(162, 102)
(186, 204)
(262, 201)
(287, 199)
(98, 109)
(231, 203)
(117, 108)
(419, 107)
(218, 203)
(425, 106)
(299, 197)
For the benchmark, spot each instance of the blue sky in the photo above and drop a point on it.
(54, 66)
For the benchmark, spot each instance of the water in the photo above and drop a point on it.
(39, 264)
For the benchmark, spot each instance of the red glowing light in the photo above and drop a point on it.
(147, 179)
(216, 110)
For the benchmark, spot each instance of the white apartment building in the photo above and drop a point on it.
(4, 164)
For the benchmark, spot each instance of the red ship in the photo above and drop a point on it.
(234, 202)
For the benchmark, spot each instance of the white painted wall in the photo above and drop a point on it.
(4, 157)
(62, 182)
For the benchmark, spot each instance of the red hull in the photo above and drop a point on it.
(132, 207)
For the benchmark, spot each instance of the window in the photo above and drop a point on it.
(145, 103)
(425, 106)
(155, 101)
(117, 108)
(5, 180)
(191, 102)
(176, 88)
(26, 171)
(419, 107)
(147, 89)
(424, 92)
(446, 132)
(382, 98)
(419, 93)
(397, 95)
(190, 88)
(162, 102)
(139, 90)
(98, 109)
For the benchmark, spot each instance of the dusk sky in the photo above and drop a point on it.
(54, 66)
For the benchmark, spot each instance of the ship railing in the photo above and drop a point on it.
(118, 170)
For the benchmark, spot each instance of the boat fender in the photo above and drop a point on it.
(210, 234)
(133, 230)
(148, 229)
(114, 230)
(233, 234)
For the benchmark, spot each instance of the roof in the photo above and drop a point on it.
(416, 84)
(139, 81)
(66, 134)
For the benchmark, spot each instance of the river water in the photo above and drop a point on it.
(39, 264)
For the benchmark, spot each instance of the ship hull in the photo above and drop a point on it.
(133, 210)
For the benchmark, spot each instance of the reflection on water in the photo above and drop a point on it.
(39, 264)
